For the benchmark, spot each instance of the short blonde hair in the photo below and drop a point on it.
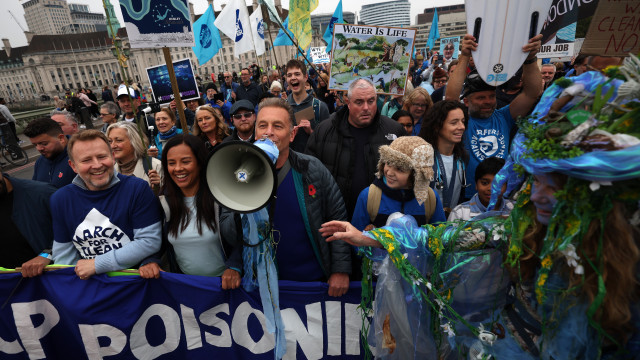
(139, 144)
(86, 135)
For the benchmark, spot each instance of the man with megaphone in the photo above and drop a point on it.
(306, 197)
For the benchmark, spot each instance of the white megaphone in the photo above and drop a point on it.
(242, 176)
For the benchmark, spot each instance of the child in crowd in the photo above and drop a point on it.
(485, 172)
(405, 119)
(401, 185)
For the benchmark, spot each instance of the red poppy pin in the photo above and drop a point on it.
(312, 191)
(60, 175)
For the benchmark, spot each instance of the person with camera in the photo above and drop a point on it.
(128, 100)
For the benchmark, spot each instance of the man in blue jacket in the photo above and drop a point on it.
(53, 166)
(25, 220)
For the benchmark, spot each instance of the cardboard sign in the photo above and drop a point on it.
(614, 29)
(161, 84)
(157, 23)
(319, 55)
(378, 53)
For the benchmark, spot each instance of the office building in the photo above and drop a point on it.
(390, 13)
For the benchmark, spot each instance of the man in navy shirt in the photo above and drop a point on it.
(108, 221)
(53, 166)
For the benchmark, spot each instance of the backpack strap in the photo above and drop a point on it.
(373, 201)
(316, 110)
(430, 204)
(165, 207)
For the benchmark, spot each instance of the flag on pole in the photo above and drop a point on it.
(434, 33)
(234, 22)
(207, 37)
(336, 18)
(282, 39)
(300, 20)
(271, 10)
(257, 30)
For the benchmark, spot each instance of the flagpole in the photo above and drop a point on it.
(273, 52)
(298, 49)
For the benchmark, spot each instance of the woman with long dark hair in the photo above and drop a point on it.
(443, 128)
(192, 232)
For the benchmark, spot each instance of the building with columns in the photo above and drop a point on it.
(49, 64)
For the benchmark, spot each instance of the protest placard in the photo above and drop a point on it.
(319, 55)
(449, 48)
(161, 83)
(157, 23)
(378, 53)
(614, 29)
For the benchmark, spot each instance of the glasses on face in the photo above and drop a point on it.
(101, 114)
(419, 105)
(440, 81)
(246, 115)
(448, 49)
(227, 76)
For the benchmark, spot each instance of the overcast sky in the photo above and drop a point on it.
(10, 29)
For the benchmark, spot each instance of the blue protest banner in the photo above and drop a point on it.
(59, 316)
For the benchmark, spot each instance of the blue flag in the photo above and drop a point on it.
(336, 18)
(433, 32)
(206, 36)
(282, 39)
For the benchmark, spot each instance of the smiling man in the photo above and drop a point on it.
(301, 99)
(108, 221)
(53, 166)
(306, 197)
(248, 90)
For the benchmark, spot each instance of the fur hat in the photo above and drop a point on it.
(409, 153)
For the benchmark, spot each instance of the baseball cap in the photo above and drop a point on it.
(241, 104)
(122, 90)
(474, 83)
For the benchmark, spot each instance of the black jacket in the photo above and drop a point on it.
(323, 205)
(251, 93)
(332, 143)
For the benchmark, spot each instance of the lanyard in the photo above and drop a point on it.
(441, 179)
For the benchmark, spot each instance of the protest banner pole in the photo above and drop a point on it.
(295, 43)
(176, 91)
(273, 53)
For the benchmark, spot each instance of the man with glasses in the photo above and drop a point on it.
(109, 113)
(488, 132)
(244, 118)
(228, 87)
(248, 90)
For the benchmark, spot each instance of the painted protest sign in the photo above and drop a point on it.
(157, 23)
(319, 55)
(559, 28)
(58, 316)
(161, 83)
(450, 47)
(614, 29)
(380, 54)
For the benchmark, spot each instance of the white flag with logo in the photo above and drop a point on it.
(234, 22)
(257, 29)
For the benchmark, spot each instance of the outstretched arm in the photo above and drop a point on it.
(343, 230)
